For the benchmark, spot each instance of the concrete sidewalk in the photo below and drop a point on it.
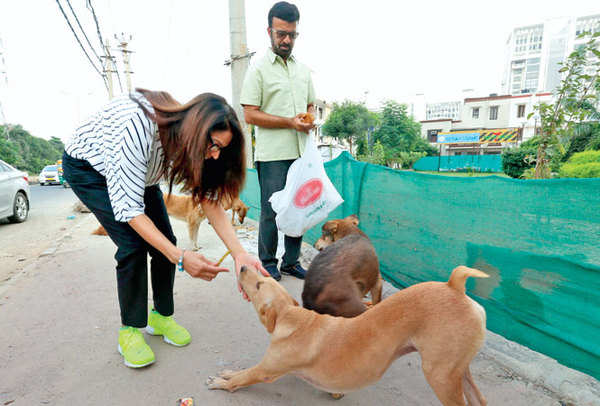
(59, 320)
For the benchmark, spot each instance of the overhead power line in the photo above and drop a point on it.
(91, 7)
(83, 32)
(79, 42)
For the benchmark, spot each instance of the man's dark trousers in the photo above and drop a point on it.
(132, 253)
(271, 178)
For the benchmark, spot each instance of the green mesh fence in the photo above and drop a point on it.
(479, 163)
(538, 240)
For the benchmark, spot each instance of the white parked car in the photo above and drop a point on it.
(49, 175)
(14, 193)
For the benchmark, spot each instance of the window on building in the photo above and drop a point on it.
(432, 135)
(521, 111)
(475, 112)
(494, 113)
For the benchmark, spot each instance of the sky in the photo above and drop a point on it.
(359, 50)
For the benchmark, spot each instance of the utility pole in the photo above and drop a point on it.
(108, 71)
(239, 62)
(123, 42)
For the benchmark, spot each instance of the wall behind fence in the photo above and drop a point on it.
(480, 163)
(538, 240)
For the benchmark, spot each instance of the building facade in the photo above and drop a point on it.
(534, 53)
(504, 116)
(445, 110)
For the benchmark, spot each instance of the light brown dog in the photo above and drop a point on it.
(343, 272)
(182, 207)
(338, 354)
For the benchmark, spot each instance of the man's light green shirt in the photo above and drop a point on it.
(282, 90)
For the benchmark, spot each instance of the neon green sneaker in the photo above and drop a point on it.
(133, 348)
(172, 332)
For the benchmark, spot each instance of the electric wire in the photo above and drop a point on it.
(83, 31)
(89, 2)
(80, 44)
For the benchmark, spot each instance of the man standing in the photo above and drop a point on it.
(275, 93)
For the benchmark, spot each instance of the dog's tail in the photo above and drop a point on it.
(99, 231)
(460, 274)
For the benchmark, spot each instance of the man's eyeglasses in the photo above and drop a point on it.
(282, 34)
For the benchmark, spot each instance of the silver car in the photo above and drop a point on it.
(14, 193)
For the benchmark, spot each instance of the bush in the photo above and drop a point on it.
(514, 161)
(585, 157)
(591, 170)
(582, 165)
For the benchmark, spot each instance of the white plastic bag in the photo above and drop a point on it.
(308, 196)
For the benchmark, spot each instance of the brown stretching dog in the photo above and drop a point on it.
(339, 354)
(343, 272)
(181, 207)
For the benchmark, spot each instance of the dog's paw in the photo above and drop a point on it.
(215, 382)
(226, 374)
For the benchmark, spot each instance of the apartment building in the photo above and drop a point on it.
(487, 124)
(451, 110)
(534, 53)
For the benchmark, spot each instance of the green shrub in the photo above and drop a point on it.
(589, 170)
(584, 164)
(585, 157)
(514, 161)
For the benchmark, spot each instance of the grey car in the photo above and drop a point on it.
(14, 193)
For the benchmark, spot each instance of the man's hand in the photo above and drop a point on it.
(299, 125)
(199, 267)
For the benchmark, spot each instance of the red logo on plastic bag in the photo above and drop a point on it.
(308, 193)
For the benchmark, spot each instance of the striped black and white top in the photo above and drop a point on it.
(121, 143)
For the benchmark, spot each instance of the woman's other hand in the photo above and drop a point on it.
(247, 259)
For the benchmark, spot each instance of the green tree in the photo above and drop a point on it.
(23, 151)
(398, 132)
(348, 121)
(575, 102)
(376, 156)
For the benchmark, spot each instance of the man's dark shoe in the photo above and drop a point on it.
(295, 270)
(273, 271)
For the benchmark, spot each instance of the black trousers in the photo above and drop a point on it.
(271, 178)
(132, 251)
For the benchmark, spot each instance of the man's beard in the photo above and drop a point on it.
(284, 53)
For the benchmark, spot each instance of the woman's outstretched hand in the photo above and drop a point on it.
(247, 259)
(199, 267)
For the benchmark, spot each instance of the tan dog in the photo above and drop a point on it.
(338, 354)
(343, 272)
(182, 207)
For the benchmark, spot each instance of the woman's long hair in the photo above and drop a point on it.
(184, 131)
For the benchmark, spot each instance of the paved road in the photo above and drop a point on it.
(22, 243)
(59, 318)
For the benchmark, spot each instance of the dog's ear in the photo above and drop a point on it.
(268, 316)
(353, 219)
